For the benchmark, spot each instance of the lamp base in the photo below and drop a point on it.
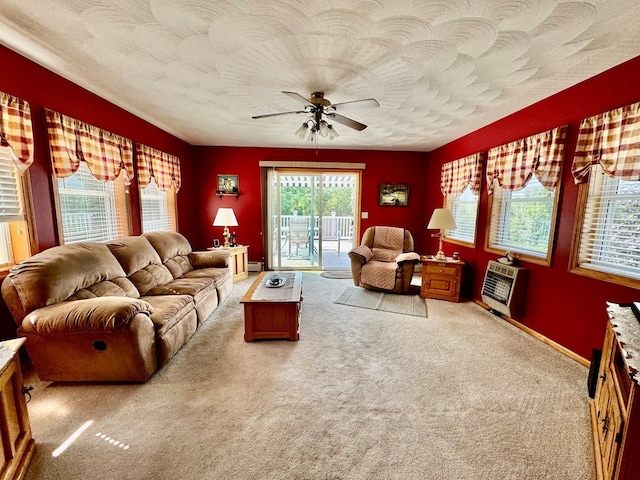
(440, 255)
(226, 236)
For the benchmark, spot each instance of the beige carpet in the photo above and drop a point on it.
(362, 396)
(385, 302)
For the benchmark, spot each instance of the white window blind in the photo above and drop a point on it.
(465, 210)
(89, 208)
(521, 220)
(610, 235)
(157, 211)
(10, 204)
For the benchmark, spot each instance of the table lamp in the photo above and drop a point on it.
(441, 219)
(225, 218)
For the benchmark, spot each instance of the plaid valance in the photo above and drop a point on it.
(455, 176)
(72, 141)
(513, 164)
(16, 130)
(611, 139)
(163, 167)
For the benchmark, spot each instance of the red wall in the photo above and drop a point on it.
(381, 167)
(565, 307)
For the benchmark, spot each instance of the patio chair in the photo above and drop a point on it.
(298, 233)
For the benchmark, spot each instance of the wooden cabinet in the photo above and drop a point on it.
(615, 410)
(15, 431)
(441, 279)
(239, 261)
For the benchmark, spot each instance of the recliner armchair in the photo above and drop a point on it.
(385, 259)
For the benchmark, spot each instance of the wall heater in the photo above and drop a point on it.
(503, 289)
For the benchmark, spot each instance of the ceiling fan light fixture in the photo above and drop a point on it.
(324, 128)
(302, 131)
(313, 136)
(331, 132)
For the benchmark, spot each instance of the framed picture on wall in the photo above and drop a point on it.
(396, 194)
(227, 184)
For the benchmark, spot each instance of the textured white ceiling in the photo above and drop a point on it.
(439, 68)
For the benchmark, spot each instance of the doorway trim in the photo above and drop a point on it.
(319, 167)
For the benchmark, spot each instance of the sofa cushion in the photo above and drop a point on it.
(134, 253)
(211, 258)
(196, 287)
(95, 314)
(219, 275)
(168, 310)
(118, 287)
(57, 273)
(173, 249)
(140, 262)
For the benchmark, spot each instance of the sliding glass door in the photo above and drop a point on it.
(311, 218)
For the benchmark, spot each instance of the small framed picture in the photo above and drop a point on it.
(216, 242)
(227, 184)
(394, 194)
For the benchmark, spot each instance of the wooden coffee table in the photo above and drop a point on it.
(273, 312)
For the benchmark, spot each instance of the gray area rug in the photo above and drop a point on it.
(385, 302)
(339, 274)
(461, 395)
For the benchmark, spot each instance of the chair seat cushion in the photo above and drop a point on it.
(380, 274)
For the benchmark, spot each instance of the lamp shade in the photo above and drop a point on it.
(442, 219)
(225, 218)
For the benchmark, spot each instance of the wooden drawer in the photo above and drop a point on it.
(443, 269)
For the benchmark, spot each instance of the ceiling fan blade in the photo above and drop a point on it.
(297, 97)
(278, 114)
(367, 102)
(347, 121)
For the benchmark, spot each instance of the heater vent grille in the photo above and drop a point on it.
(503, 288)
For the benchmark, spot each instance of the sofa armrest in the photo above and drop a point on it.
(361, 253)
(92, 314)
(411, 257)
(214, 258)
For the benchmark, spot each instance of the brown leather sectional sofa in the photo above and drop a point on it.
(114, 311)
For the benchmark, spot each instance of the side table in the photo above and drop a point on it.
(441, 278)
(15, 431)
(239, 261)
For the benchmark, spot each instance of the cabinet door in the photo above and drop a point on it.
(17, 444)
(611, 424)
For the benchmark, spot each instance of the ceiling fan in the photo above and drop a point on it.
(316, 107)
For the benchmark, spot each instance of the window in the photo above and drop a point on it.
(609, 240)
(158, 208)
(465, 211)
(460, 182)
(15, 237)
(521, 221)
(523, 181)
(92, 169)
(159, 180)
(92, 210)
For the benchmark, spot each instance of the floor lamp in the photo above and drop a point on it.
(441, 219)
